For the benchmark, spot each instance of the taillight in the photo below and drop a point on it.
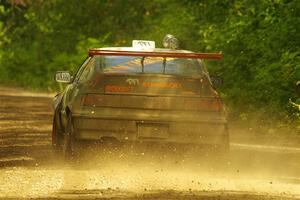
(213, 105)
(203, 104)
(92, 100)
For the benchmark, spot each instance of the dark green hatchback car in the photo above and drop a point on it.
(139, 95)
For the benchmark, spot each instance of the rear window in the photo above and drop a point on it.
(159, 65)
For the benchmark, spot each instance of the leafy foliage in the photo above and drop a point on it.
(260, 40)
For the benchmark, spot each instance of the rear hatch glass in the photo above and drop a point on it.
(147, 75)
(157, 65)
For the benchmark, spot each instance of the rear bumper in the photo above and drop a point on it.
(127, 126)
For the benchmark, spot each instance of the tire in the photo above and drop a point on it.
(224, 150)
(57, 139)
(224, 147)
(68, 141)
(226, 144)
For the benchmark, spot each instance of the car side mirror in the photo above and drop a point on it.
(63, 77)
(216, 81)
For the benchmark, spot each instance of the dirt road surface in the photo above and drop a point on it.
(29, 169)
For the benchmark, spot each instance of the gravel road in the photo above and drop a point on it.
(29, 169)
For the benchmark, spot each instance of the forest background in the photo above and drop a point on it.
(260, 40)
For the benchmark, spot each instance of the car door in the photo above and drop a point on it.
(71, 91)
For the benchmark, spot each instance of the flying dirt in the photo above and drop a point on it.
(30, 170)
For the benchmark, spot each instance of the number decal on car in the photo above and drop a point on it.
(133, 81)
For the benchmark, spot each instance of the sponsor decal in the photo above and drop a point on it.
(170, 85)
(143, 44)
(117, 88)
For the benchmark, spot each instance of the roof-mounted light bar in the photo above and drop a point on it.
(213, 56)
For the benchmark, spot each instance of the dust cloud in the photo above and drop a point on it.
(114, 171)
(29, 169)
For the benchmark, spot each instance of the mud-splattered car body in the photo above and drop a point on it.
(162, 95)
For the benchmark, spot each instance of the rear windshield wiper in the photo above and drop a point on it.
(164, 65)
(142, 63)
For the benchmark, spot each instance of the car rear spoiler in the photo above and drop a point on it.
(214, 56)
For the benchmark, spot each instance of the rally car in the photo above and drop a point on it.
(140, 94)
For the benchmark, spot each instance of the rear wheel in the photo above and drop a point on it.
(57, 138)
(68, 141)
(223, 150)
(226, 143)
